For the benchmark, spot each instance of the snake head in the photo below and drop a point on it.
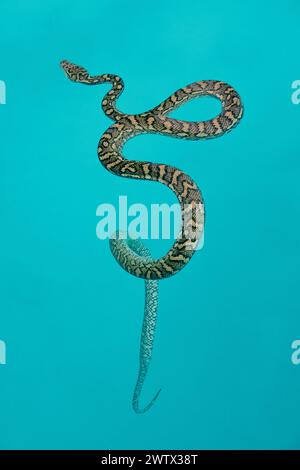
(74, 72)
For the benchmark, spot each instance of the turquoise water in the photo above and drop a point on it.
(70, 316)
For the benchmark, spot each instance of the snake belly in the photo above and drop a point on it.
(132, 255)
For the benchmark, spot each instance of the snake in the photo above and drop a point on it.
(132, 255)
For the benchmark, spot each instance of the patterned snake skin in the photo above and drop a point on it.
(148, 329)
(132, 255)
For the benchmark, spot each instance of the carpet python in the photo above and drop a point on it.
(132, 255)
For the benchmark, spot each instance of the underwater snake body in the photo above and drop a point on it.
(131, 255)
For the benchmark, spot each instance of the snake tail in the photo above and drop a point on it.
(149, 323)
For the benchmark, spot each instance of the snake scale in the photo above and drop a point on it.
(132, 255)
